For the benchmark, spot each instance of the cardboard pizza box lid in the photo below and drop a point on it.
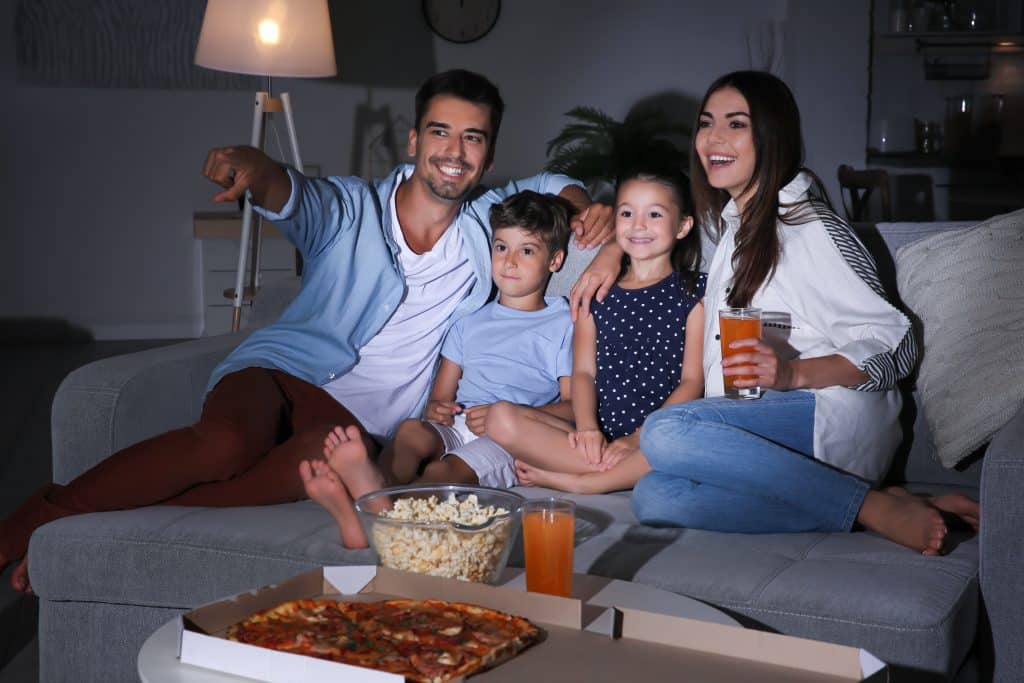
(583, 642)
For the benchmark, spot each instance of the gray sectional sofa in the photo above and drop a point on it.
(106, 581)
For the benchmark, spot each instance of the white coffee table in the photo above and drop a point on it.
(158, 658)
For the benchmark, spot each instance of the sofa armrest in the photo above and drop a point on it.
(1002, 519)
(106, 405)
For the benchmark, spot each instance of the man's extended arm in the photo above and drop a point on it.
(238, 169)
(592, 224)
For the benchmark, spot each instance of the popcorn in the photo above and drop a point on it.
(438, 549)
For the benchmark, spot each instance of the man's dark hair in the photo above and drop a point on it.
(465, 85)
(544, 215)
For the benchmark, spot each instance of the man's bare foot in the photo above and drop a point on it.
(19, 577)
(529, 475)
(967, 509)
(348, 455)
(323, 485)
(904, 519)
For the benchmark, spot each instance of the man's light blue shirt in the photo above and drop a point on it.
(352, 279)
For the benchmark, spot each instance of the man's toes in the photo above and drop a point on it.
(19, 577)
(305, 471)
(352, 433)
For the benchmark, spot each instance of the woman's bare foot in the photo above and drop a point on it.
(19, 577)
(323, 485)
(348, 455)
(960, 505)
(529, 475)
(967, 509)
(904, 519)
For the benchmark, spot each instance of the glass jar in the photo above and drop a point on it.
(959, 111)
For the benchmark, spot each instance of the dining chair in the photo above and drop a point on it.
(858, 186)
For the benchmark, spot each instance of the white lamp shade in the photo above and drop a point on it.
(267, 38)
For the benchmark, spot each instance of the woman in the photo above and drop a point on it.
(803, 457)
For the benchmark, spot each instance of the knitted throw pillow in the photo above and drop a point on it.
(967, 289)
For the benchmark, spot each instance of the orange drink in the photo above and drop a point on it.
(548, 527)
(735, 324)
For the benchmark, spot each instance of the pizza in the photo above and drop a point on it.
(431, 641)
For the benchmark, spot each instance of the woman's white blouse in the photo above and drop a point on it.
(825, 298)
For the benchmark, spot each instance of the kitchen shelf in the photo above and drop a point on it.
(987, 40)
(911, 159)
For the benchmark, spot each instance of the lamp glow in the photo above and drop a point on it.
(245, 37)
(270, 32)
(267, 38)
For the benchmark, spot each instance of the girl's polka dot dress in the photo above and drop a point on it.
(640, 338)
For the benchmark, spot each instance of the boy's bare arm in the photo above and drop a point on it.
(441, 405)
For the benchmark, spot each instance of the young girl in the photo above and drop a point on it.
(639, 351)
(800, 458)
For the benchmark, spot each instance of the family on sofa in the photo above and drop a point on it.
(392, 266)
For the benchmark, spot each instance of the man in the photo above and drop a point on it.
(388, 267)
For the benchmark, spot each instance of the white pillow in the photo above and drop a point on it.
(967, 288)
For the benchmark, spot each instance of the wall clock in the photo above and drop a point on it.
(461, 21)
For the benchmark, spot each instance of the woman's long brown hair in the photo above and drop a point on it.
(779, 150)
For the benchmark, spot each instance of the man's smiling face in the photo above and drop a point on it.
(452, 146)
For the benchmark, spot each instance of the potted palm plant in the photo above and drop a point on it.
(595, 148)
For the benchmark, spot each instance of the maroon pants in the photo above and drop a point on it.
(256, 426)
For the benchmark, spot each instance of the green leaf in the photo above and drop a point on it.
(594, 146)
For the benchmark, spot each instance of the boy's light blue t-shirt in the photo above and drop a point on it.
(511, 355)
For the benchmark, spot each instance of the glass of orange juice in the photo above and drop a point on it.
(735, 324)
(548, 526)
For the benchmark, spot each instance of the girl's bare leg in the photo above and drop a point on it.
(623, 476)
(535, 437)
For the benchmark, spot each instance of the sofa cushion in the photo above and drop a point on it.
(854, 589)
(967, 289)
(185, 556)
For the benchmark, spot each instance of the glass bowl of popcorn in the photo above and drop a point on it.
(458, 532)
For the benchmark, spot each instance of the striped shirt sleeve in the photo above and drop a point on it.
(884, 369)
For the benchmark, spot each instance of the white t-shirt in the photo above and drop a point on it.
(395, 368)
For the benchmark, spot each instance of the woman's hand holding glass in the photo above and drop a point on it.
(761, 361)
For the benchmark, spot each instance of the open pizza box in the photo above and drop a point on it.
(583, 641)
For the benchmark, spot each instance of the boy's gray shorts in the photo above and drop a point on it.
(493, 465)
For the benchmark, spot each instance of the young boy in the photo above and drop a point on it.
(517, 349)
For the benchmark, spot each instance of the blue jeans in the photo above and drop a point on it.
(742, 466)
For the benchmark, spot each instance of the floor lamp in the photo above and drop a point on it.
(265, 38)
